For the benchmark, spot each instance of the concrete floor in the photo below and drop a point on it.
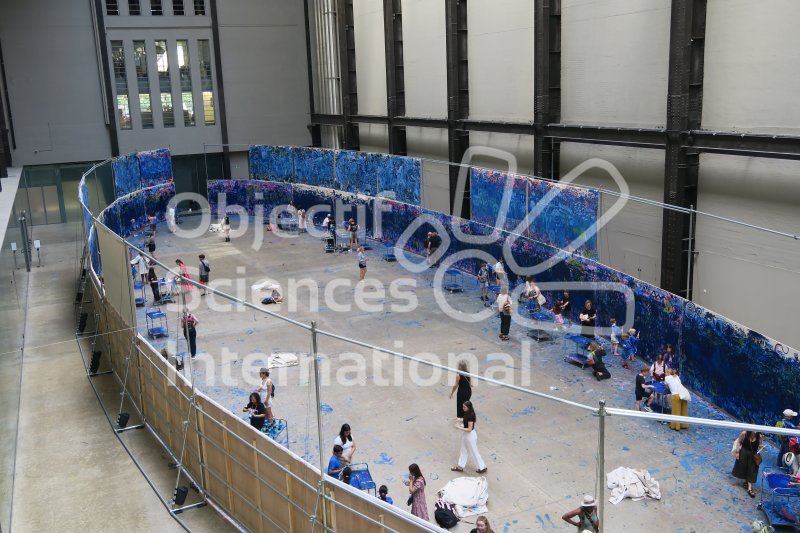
(70, 473)
(540, 454)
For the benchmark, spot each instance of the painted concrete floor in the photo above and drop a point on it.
(540, 454)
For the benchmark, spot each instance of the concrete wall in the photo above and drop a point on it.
(265, 71)
(752, 66)
(631, 242)
(748, 275)
(500, 47)
(614, 62)
(424, 58)
(53, 76)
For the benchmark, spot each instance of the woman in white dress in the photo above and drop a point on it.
(345, 440)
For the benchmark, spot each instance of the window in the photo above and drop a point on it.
(186, 82)
(177, 7)
(112, 7)
(199, 7)
(156, 7)
(134, 7)
(206, 82)
(164, 83)
(121, 85)
(143, 83)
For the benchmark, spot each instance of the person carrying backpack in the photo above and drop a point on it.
(204, 269)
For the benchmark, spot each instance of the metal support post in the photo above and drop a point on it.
(601, 465)
(322, 468)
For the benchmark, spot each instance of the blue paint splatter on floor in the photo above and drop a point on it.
(325, 408)
(525, 412)
(414, 323)
(384, 459)
(625, 449)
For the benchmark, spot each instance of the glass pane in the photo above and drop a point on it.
(166, 109)
(177, 7)
(188, 109)
(112, 7)
(206, 83)
(199, 7)
(37, 215)
(51, 204)
(123, 112)
(156, 7)
(146, 110)
(134, 7)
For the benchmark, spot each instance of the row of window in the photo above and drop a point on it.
(179, 7)
(164, 83)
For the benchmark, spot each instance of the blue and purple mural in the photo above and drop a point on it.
(313, 166)
(156, 199)
(360, 172)
(155, 167)
(564, 214)
(486, 197)
(226, 193)
(405, 180)
(132, 215)
(272, 163)
(127, 178)
(267, 195)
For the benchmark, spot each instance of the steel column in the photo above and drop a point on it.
(684, 112)
(347, 71)
(547, 87)
(457, 95)
(395, 79)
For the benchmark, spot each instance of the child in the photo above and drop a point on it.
(558, 318)
(670, 359)
(627, 350)
(383, 494)
(616, 332)
(643, 390)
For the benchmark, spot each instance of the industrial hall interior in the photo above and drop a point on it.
(400, 265)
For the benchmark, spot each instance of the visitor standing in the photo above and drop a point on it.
(584, 517)
(189, 325)
(504, 307)
(745, 449)
(416, 488)
(587, 317)
(345, 440)
(186, 286)
(499, 271)
(152, 279)
(205, 270)
(226, 228)
(483, 283)
(463, 386)
(680, 398)
(301, 220)
(362, 264)
(785, 423)
(469, 441)
(257, 411)
(352, 229)
(267, 388)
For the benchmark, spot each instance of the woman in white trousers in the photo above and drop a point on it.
(469, 441)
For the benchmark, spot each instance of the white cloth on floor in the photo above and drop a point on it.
(267, 285)
(629, 483)
(277, 360)
(468, 494)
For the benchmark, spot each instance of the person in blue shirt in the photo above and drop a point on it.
(786, 423)
(383, 494)
(336, 465)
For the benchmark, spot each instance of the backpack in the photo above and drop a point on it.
(444, 515)
(273, 390)
(206, 267)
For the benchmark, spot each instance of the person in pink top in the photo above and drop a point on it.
(187, 287)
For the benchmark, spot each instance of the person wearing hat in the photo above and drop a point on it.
(786, 423)
(586, 515)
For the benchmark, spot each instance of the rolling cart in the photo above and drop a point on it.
(783, 503)
(277, 431)
(138, 293)
(361, 478)
(156, 321)
(388, 251)
(167, 290)
(453, 280)
(577, 357)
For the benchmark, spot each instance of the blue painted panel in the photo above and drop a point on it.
(569, 213)
(267, 195)
(272, 163)
(126, 174)
(233, 192)
(155, 167)
(404, 179)
(156, 199)
(359, 172)
(131, 214)
(487, 188)
(313, 166)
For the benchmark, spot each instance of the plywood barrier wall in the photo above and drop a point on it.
(235, 465)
